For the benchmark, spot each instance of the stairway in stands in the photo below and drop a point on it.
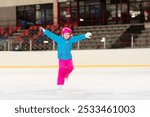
(142, 39)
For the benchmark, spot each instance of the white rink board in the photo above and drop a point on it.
(80, 57)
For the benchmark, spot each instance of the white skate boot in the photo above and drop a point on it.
(66, 79)
(60, 87)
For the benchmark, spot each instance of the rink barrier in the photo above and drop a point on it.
(81, 58)
(82, 66)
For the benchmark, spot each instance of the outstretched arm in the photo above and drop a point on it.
(81, 37)
(50, 34)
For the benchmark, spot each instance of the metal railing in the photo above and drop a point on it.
(127, 41)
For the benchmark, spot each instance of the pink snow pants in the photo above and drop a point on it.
(65, 68)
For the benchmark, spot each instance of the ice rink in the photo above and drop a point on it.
(114, 83)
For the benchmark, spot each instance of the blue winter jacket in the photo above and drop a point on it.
(64, 47)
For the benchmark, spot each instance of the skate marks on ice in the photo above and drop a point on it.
(68, 94)
(48, 95)
(87, 83)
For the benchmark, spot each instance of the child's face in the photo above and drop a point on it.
(66, 36)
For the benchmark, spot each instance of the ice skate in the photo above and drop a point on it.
(60, 87)
(66, 79)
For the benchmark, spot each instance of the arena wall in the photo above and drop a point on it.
(8, 9)
(6, 3)
(81, 58)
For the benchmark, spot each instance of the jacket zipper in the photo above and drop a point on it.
(66, 49)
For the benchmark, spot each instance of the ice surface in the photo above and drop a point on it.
(84, 83)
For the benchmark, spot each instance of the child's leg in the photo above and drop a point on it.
(69, 68)
(61, 72)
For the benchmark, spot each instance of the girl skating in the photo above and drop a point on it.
(64, 47)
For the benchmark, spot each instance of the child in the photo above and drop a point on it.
(64, 47)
